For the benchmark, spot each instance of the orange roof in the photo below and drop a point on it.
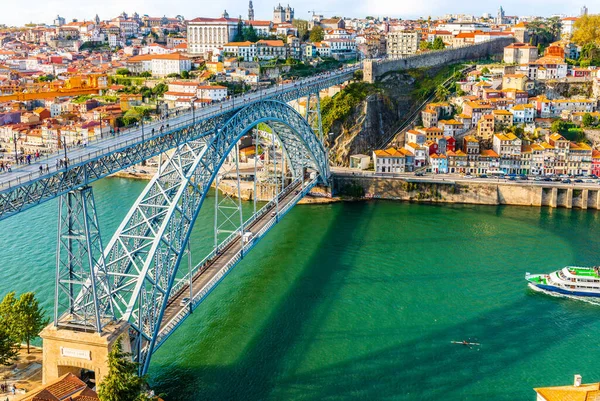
(272, 43)
(238, 44)
(393, 152)
(488, 153)
(585, 392)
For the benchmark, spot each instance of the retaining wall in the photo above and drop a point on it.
(521, 194)
(373, 70)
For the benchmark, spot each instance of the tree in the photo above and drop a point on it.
(31, 318)
(438, 44)
(441, 93)
(185, 74)
(131, 117)
(554, 26)
(302, 27)
(358, 75)
(9, 348)
(587, 30)
(122, 382)
(160, 89)
(250, 34)
(587, 120)
(317, 34)
(123, 71)
(425, 45)
(239, 33)
(485, 70)
(7, 310)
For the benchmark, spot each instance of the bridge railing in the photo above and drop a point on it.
(184, 281)
(136, 137)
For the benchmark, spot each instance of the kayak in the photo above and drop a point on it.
(464, 343)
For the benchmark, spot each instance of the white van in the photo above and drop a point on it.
(247, 237)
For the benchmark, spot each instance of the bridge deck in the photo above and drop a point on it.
(22, 174)
(207, 277)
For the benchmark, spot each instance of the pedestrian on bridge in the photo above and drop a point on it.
(41, 171)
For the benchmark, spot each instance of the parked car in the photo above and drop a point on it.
(566, 181)
(419, 174)
(579, 181)
(512, 178)
(483, 176)
(184, 301)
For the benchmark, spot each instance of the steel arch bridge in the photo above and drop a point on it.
(136, 277)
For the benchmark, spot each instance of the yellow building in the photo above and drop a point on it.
(502, 118)
(516, 81)
(485, 127)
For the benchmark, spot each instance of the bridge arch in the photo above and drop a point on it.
(144, 254)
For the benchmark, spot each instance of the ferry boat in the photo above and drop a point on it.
(571, 280)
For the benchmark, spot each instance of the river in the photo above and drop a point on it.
(360, 301)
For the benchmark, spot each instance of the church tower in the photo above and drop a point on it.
(250, 12)
(289, 14)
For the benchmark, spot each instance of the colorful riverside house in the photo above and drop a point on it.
(393, 160)
(439, 163)
(596, 162)
(578, 391)
(488, 160)
(457, 162)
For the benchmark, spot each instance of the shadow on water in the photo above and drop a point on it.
(426, 368)
(430, 369)
(254, 374)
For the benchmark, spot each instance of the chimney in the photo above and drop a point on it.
(577, 381)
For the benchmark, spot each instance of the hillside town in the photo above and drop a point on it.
(506, 118)
(71, 82)
(268, 111)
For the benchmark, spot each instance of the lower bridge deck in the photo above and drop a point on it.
(209, 273)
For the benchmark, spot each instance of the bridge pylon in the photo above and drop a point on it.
(82, 290)
(313, 114)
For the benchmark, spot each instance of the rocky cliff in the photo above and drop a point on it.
(363, 115)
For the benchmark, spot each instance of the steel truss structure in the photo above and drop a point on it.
(81, 297)
(34, 190)
(143, 256)
(134, 277)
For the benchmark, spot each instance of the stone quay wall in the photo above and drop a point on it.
(499, 193)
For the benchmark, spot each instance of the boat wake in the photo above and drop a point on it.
(589, 300)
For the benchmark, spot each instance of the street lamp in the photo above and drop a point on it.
(192, 105)
(65, 148)
(15, 142)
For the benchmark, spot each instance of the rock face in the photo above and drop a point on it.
(366, 126)
(377, 117)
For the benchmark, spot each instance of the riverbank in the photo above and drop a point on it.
(25, 373)
(438, 190)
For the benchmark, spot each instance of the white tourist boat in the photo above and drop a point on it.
(570, 280)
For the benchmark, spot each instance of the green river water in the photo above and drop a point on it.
(360, 301)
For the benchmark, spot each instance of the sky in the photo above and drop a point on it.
(17, 13)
